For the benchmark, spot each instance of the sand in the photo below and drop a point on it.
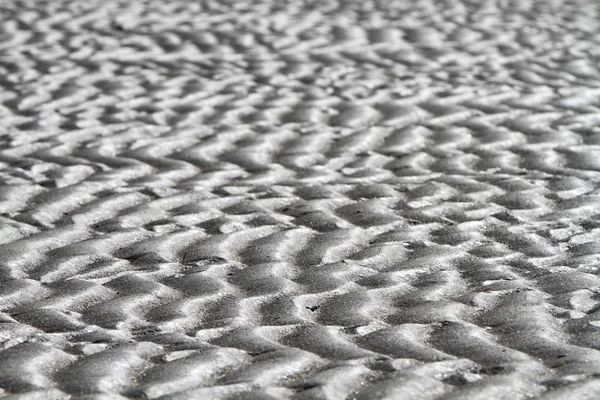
(299, 199)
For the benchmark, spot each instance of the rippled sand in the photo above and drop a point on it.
(299, 199)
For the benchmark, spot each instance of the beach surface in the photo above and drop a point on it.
(300, 200)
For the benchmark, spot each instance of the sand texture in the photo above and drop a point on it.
(327, 200)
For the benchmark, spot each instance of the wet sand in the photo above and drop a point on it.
(299, 200)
